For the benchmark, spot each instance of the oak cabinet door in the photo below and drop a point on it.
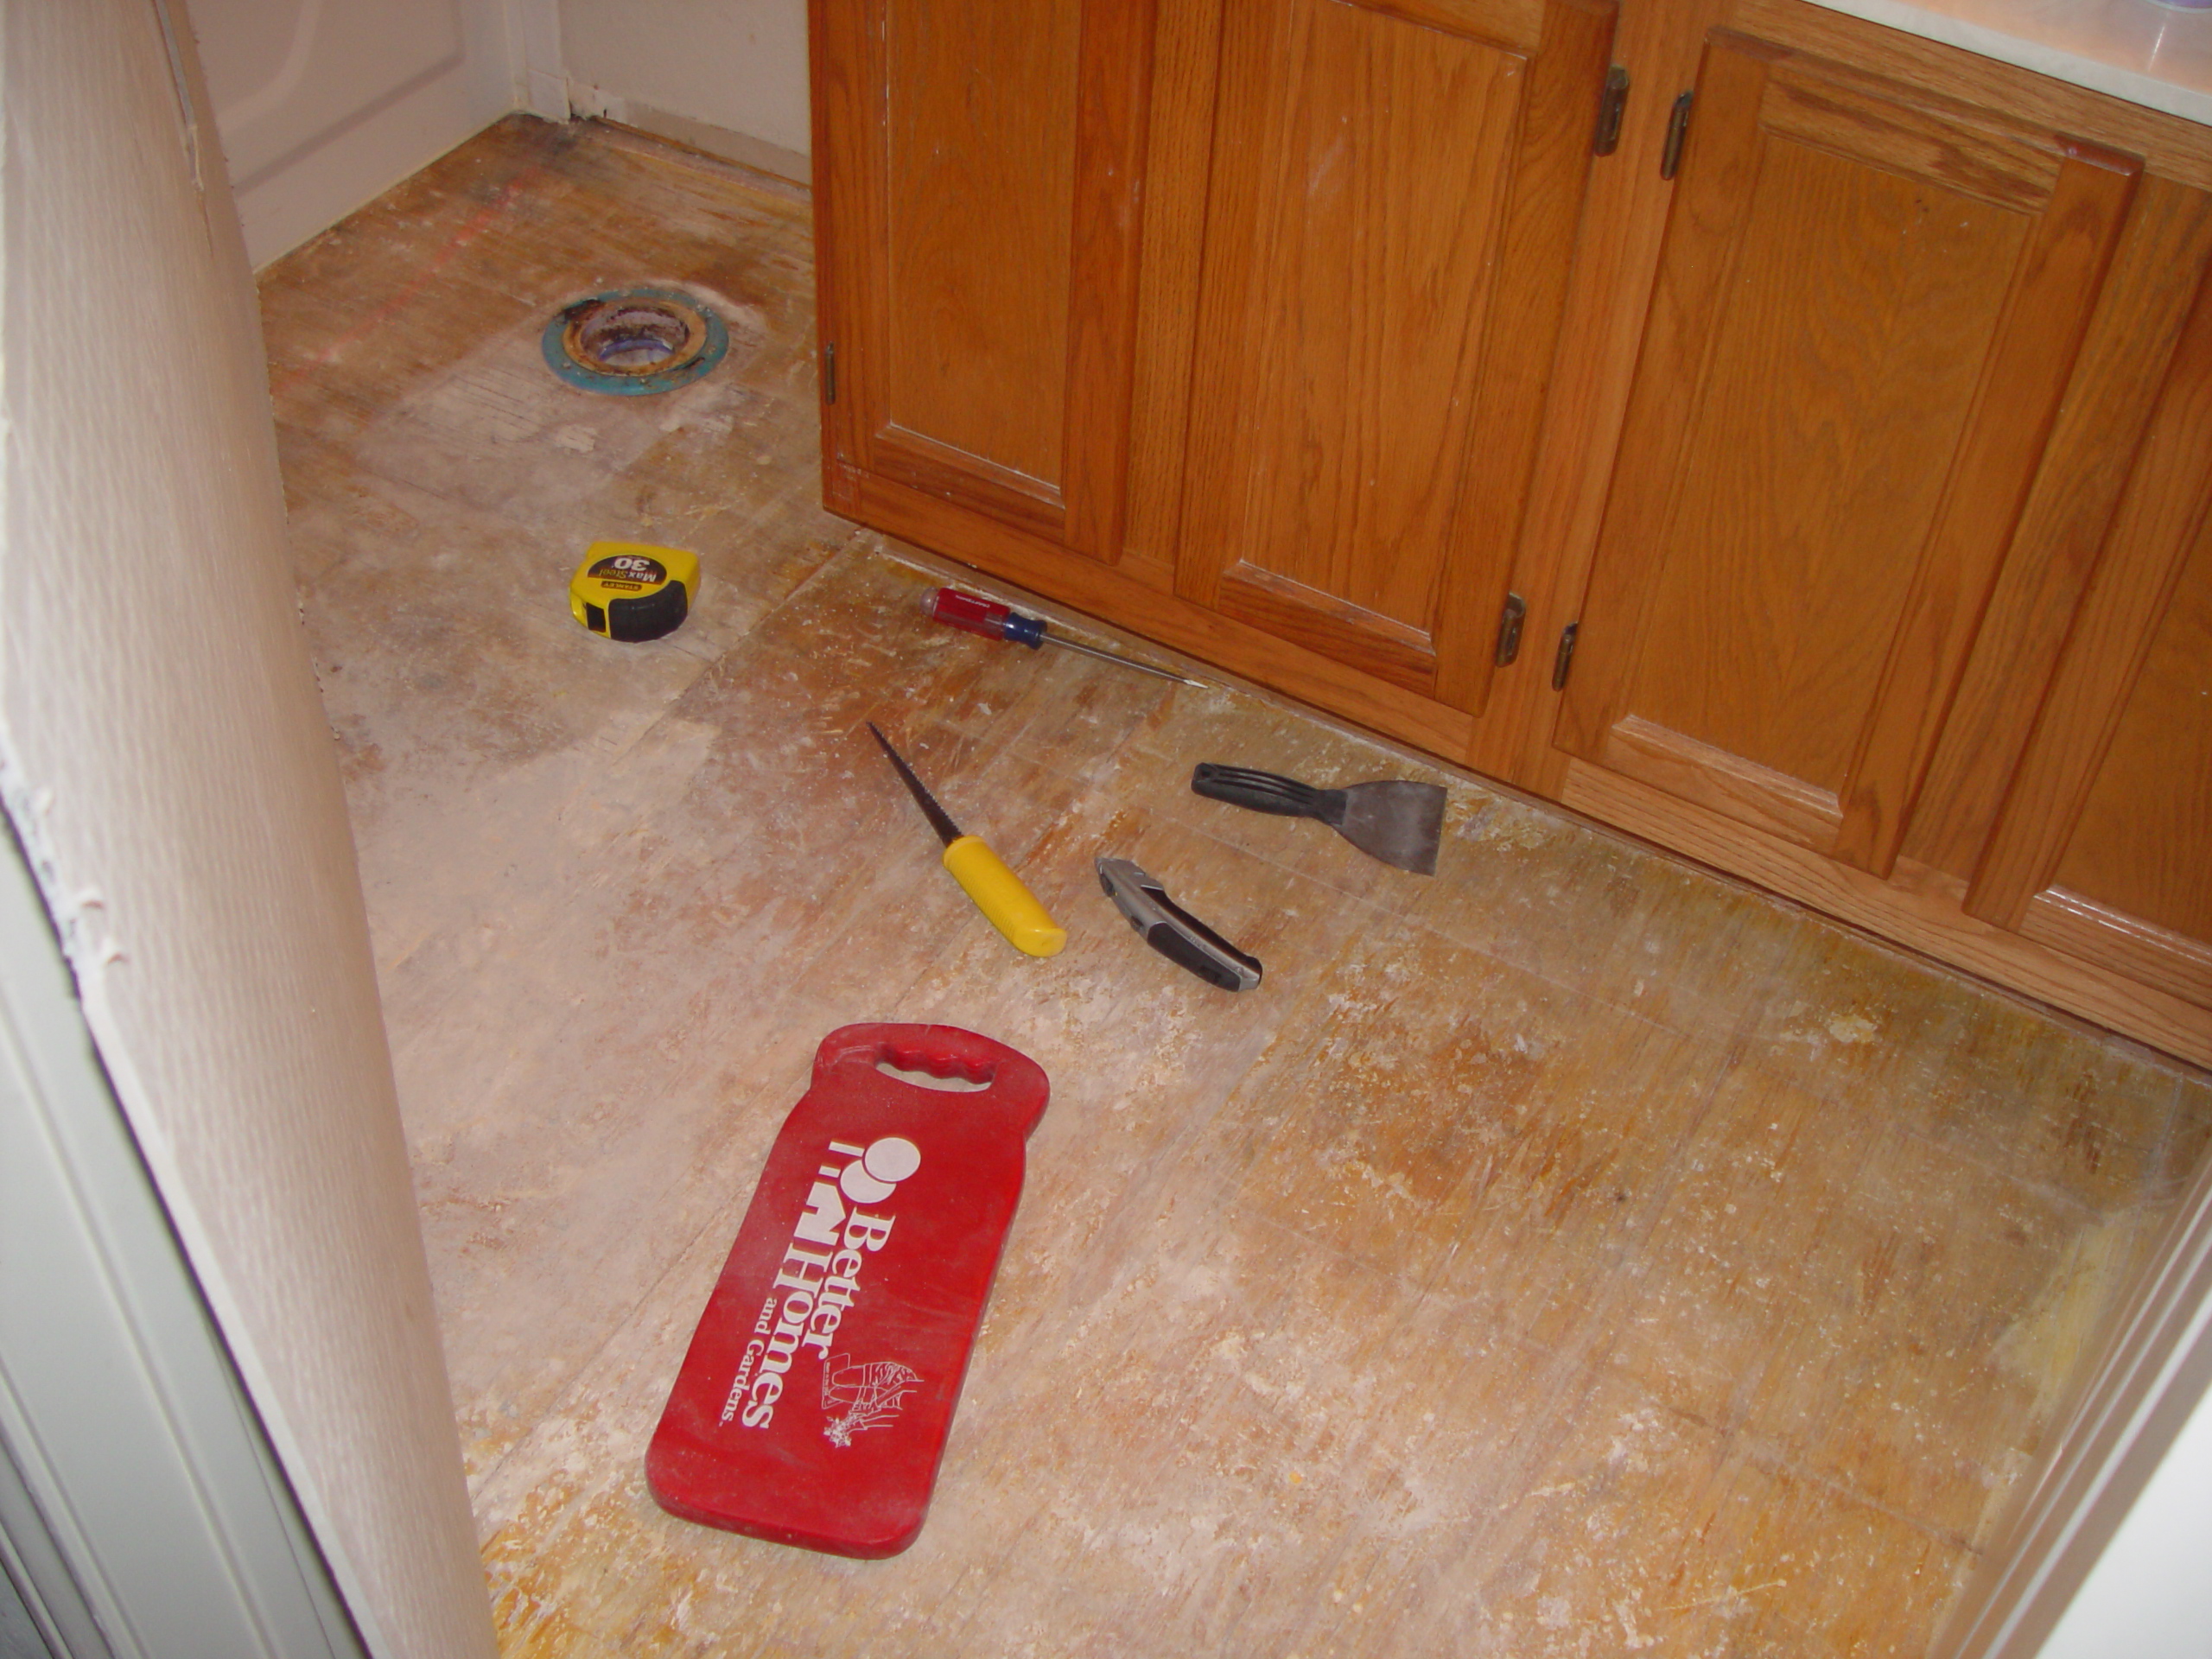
(1389, 228)
(1868, 309)
(2103, 847)
(977, 234)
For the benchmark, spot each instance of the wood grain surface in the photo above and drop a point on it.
(2062, 530)
(1819, 338)
(983, 237)
(1391, 222)
(1543, 1261)
(1112, 130)
(1870, 317)
(2029, 370)
(2143, 844)
(978, 180)
(1608, 295)
(1179, 151)
(2108, 801)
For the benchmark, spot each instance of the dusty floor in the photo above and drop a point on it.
(1572, 1254)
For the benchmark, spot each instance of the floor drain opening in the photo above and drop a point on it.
(634, 341)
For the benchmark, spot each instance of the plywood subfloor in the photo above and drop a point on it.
(1570, 1254)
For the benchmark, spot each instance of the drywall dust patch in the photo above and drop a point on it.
(1853, 1028)
(496, 431)
(1510, 827)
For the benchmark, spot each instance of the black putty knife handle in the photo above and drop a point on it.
(1267, 791)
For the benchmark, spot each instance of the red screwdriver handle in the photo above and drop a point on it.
(984, 616)
(959, 610)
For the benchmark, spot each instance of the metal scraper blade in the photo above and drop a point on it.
(1398, 822)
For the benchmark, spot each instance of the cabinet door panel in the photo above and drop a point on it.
(2103, 847)
(979, 249)
(1388, 233)
(1866, 316)
(2067, 522)
(2143, 845)
(2132, 889)
(1805, 496)
(980, 148)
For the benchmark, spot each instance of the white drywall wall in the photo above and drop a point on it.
(2150, 1595)
(323, 104)
(673, 66)
(164, 757)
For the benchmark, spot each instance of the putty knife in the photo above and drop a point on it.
(1396, 821)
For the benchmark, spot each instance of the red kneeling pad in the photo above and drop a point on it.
(814, 1403)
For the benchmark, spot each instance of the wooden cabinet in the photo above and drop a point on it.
(1901, 514)
(2103, 847)
(1864, 318)
(983, 261)
(1391, 221)
(1250, 308)
(1862, 460)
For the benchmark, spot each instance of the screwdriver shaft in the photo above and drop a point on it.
(1126, 661)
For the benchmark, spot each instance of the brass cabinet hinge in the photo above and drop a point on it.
(1678, 126)
(1564, 660)
(1509, 629)
(1611, 101)
(828, 371)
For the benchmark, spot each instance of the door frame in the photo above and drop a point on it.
(142, 1513)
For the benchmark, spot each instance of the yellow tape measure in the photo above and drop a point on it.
(628, 590)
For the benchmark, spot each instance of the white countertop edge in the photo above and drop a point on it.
(2190, 103)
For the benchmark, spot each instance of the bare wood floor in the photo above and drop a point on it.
(1570, 1254)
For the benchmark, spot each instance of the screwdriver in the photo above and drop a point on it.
(997, 891)
(995, 621)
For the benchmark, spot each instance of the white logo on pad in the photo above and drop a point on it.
(814, 1287)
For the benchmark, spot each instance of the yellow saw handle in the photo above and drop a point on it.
(1006, 904)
